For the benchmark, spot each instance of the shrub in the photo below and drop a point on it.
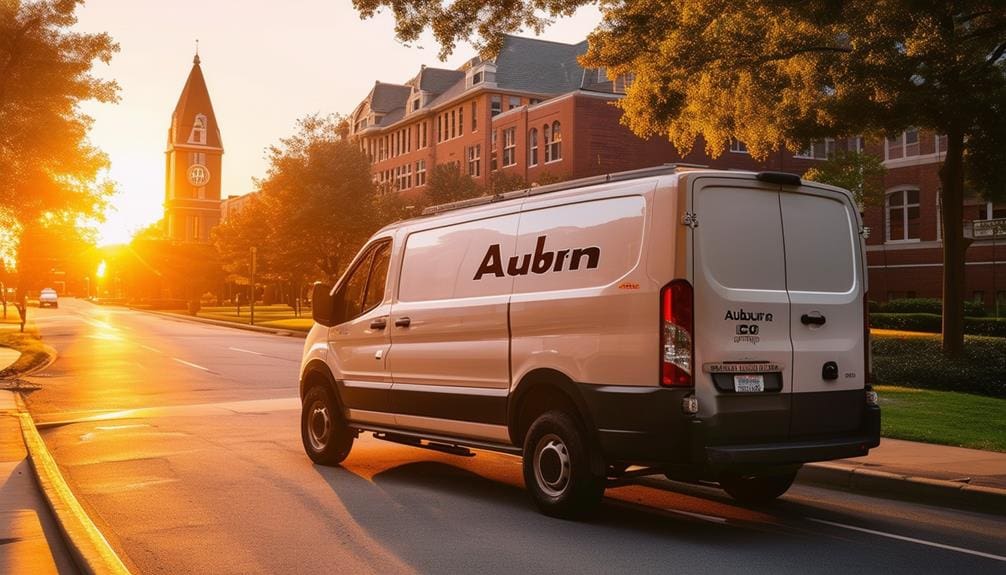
(926, 305)
(933, 323)
(915, 361)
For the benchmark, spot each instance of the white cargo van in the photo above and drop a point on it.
(707, 325)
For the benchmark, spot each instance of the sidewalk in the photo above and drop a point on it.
(937, 474)
(32, 540)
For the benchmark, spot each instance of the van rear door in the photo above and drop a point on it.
(742, 310)
(824, 278)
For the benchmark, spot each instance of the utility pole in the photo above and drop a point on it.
(254, 255)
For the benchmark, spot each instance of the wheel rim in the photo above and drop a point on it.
(319, 426)
(552, 465)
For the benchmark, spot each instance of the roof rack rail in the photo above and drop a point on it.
(560, 186)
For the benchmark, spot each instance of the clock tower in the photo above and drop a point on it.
(192, 164)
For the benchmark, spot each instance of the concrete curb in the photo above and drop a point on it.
(230, 324)
(897, 486)
(89, 548)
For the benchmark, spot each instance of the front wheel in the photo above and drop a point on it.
(326, 437)
(757, 488)
(557, 467)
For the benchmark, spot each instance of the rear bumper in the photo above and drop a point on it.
(646, 425)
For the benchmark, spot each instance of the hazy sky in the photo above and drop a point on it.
(266, 64)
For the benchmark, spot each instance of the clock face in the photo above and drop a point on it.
(199, 175)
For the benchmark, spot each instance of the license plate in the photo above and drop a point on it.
(749, 383)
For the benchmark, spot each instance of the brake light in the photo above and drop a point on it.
(677, 353)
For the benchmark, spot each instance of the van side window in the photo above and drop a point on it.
(355, 287)
(378, 278)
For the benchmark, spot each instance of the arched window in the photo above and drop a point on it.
(901, 215)
(546, 132)
(532, 138)
(555, 145)
(198, 133)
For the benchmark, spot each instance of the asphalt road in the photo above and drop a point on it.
(182, 442)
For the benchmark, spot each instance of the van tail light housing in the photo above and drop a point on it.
(677, 325)
(867, 352)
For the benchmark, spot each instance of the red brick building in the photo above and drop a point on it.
(532, 111)
(905, 247)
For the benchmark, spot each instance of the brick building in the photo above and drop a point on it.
(905, 248)
(532, 111)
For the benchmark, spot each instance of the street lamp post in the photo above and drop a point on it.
(254, 257)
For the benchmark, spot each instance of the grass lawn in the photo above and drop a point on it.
(274, 316)
(34, 353)
(945, 417)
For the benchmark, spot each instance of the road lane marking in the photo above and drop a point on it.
(148, 348)
(911, 539)
(245, 351)
(701, 516)
(183, 362)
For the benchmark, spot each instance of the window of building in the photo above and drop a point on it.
(818, 149)
(440, 121)
(532, 147)
(475, 115)
(514, 102)
(978, 296)
(495, 105)
(454, 123)
(533, 101)
(546, 137)
(198, 133)
(553, 152)
(941, 143)
(477, 77)
(903, 145)
(422, 135)
(421, 173)
(196, 228)
(492, 152)
(415, 103)
(509, 147)
(475, 160)
(901, 210)
(738, 147)
(461, 120)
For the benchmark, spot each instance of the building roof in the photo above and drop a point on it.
(385, 98)
(194, 100)
(532, 65)
(439, 80)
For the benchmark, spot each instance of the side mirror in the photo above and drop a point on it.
(322, 304)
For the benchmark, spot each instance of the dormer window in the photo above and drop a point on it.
(198, 133)
(416, 103)
(481, 73)
(477, 77)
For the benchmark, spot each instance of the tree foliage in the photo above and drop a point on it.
(860, 173)
(46, 162)
(447, 183)
(775, 73)
(311, 213)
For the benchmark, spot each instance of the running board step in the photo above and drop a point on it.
(431, 445)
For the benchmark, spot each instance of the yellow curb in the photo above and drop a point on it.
(90, 550)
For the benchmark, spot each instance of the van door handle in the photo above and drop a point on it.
(379, 323)
(403, 322)
(807, 319)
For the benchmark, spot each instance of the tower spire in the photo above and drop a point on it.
(196, 59)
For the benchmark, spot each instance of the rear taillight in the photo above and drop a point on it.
(677, 351)
(866, 339)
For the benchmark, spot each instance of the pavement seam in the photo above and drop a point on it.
(90, 550)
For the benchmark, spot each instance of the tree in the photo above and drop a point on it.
(858, 172)
(46, 162)
(773, 73)
(448, 184)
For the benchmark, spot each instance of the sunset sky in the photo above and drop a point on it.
(266, 64)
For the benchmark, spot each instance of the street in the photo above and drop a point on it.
(182, 442)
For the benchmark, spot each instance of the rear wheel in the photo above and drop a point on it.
(326, 437)
(757, 488)
(557, 467)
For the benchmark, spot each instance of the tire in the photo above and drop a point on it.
(557, 467)
(757, 488)
(326, 437)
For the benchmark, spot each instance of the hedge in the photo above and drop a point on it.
(924, 305)
(933, 323)
(919, 362)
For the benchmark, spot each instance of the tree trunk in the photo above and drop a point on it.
(954, 245)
